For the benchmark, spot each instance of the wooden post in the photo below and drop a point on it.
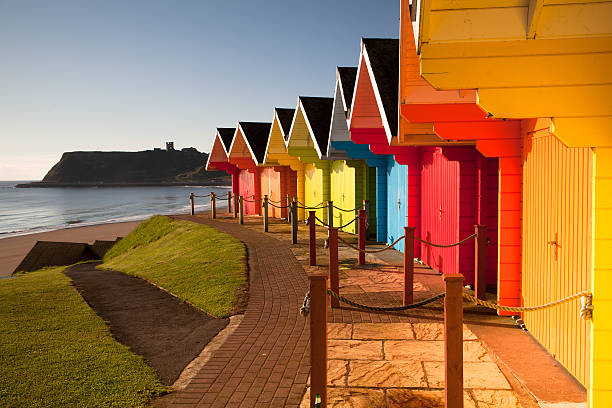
(191, 198)
(288, 209)
(235, 206)
(313, 237)
(330, 213)
(213, 205)
(334, 283)
(241, 209)
(265, 206)
(229, 202)
(361, 239)
(408, 265)
(453, 341)
(294, 221)
(318, 338)
(480, 257)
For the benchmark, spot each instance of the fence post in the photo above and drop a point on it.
(330, 213)
(361, 239)
(334, 283)
(313, 238)
(265, 213)
(294, 221)
(213, 205)
(241, 209)
(235, 206)
(191, 198)
(288, 209)
(480, 257)
(408, 265)
(453, 341)
(229, 202)
(318, 338)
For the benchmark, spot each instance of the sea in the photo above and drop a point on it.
(32, 210)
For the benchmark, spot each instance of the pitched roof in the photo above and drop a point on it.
(285, 117)
(348, 75)
(256, 135)
(318, 112)
(383, 54)
(227, 134)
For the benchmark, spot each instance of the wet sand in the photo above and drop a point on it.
(13, 249)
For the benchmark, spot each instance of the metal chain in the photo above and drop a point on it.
(445, 246)
(372, 251)
(386, 309)
(585, 312)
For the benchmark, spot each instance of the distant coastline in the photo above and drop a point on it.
(45, 184)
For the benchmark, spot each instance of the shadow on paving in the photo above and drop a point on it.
(168, 333)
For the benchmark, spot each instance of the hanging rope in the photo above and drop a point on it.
(445, 246)
(312, 208)
(385, 309)
(372, 251)
(279, 206)
(353, 210)
(340, 227)
(586, 311)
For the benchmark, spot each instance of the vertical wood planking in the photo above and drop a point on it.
(558, 187)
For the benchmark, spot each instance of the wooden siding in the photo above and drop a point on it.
(348, 190)
(397, 197)
(316, 188)
(247, 190)
(601, 332)
(271, 186)
(557, 203)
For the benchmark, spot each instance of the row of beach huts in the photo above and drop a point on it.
(495, 113)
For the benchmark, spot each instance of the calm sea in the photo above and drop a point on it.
(30, 210)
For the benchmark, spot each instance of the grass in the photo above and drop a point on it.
(56, 352)
(194, 262)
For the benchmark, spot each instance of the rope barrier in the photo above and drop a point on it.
(304, 205)
(372, 251)
(445, 246)
(274, 201)
(312, 208)
(279, 206)
(586, 311)
(385, 309)
(353, 210)
(340, 227)
(251, 201)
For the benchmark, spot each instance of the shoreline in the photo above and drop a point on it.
(14, 248)
(40, 184)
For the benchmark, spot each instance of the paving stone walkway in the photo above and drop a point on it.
(265, 362)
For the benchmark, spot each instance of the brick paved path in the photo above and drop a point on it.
(265, 361)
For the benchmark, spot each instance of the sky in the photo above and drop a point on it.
(131, 75)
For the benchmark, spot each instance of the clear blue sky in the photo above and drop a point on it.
(130, 75)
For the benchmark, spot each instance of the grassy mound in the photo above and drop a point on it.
(56, 352)
(195, 262)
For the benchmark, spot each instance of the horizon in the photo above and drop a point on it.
(109, 76)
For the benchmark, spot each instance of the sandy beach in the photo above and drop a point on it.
(13, 249)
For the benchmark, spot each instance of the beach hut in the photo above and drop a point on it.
(246, 153)
(307, 141)
(218, 157)
(278, 181)
(352, 181)
(545, 68)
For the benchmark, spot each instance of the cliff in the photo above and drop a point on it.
(149, 167)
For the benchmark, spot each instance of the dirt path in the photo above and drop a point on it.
(154, 324)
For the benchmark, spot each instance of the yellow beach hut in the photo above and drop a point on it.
(547, 64)
(307, 141)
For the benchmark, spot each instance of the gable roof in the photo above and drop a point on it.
(347, 77)
(256, 135)
(226, 135)
(318, 112)
(382, 54)
(285, 117)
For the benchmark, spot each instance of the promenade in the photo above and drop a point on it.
(375, 359)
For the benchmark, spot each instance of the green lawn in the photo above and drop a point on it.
(56, 352)
(195, 262)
